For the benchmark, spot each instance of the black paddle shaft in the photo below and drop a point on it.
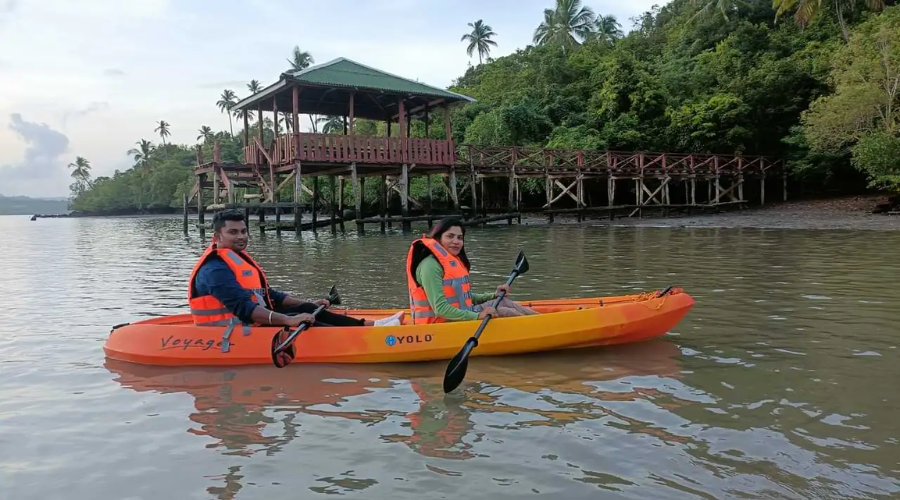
(333, 297)
(456, 369)
(290, 340)
(496, 303)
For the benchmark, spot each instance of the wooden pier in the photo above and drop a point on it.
(295, 165)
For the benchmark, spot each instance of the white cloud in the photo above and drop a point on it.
(103, 72)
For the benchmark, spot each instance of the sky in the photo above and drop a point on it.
(92, 77)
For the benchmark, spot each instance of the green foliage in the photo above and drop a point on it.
(693, 76)
(878, 155)
(861, 115)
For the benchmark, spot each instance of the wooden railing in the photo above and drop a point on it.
(325, 148)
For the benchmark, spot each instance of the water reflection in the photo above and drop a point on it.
(251, 410)
(781, 383)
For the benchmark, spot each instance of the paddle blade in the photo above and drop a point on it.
(281, 358)
(333, 296)
(521, 263)
(456, 368)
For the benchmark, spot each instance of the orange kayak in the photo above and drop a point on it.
(562, 324)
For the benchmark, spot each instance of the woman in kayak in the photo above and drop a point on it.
(437, 277)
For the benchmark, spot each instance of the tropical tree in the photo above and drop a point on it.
(479, 39)
(226, 101)
(206, 134)
(81, 170)
(142, 153)
(806, 10)
(565, 24)
(723, 6)
(332, 124)
(162, 128)
(608, 29)
(300, 59)
(254, 86)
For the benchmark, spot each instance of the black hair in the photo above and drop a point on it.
(421, 251)
(220, 218)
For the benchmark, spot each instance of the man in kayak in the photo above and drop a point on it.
(437, 277)
(227, 287)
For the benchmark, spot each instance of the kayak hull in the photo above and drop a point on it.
(562, 324)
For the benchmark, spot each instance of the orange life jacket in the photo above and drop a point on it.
(456, 282)
(206, 310)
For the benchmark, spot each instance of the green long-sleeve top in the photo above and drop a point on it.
(431, 275)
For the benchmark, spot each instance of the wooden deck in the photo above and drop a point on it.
(650, 177)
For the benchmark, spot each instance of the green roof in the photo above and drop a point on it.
(342, 72)
(325, 89)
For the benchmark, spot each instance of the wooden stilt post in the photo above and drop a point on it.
(666, 199)
(611, 191)
(341, 186)
(382, 201)
(278, 221)
(201, 219)
(579, 194)
(454, 195)
(518, 203)
(215, 174)
(430, 200)
(693, 190)
(718, 189)
(362, 197)
(784, 184)
(315, 201)
(548, 189)
(483, 206)
(261, 214)
(298, 181)
(404, 197)
(332, 182)
(511, 201)
(357, 198)
(185, 207)
(762, 190)
(298, 197)
(474, 178)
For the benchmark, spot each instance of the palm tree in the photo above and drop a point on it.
(254, 86)
(332, 124)
(722, 6)
(142, 153)
(564, 24)
(226, 101)
(608, 29)
(479, 38)
(807, 10)
(206, 134)
(162, 128)
(300, 59)
(81, 170)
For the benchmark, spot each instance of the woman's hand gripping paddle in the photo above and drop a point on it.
(456, 369)
(333, 297)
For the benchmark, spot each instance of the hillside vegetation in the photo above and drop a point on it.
(804, 81)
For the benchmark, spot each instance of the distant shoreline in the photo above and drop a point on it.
(846, 212)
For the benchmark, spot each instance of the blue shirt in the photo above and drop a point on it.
(217, 279)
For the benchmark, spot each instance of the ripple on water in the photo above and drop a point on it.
(779, 384)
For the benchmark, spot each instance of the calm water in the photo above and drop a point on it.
(781, 383)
